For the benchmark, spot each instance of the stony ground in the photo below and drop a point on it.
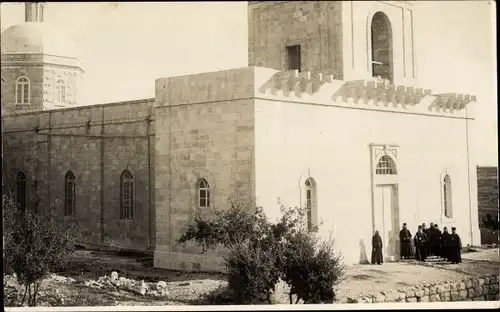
(83, 284)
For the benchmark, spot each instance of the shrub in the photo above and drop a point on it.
(261, 252)
(34, 245)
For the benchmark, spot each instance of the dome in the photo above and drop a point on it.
(36, 37)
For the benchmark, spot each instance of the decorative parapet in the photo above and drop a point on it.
(297, 82)
(380, 92)
(449, 102)
(324, 87)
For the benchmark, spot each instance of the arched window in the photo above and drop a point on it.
(69, 194)
(127, 195)
(310, 203)
(447, 202)
(60, 91)
(21, 190)
(203, 194)
(385, 166)
(22, 90)
(381, 47)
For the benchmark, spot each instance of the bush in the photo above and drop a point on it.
(261, 252)
(34, 245)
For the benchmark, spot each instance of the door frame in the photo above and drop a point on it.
(376, 152)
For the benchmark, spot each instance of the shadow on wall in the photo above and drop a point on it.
(389, 246)
(363, 258)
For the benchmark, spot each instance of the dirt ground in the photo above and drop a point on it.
(189, 288)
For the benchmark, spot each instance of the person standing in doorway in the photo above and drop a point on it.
(422, 244)
(405, 240)
(455, 251)
(445, 242)
(377, 256)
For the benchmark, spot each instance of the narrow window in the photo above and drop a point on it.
(447, 203)
(60, 91)
(203, 194)
(127, 195)
(311, 206)
(21, 190)
(386, 166)
(293, 54)
(381, 47)
(22, 90)
(69, 194)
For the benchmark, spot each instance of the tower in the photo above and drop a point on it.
(39, 65)
(352, 40)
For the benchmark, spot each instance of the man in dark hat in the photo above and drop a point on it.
(421, 244)
(445, 242)
(377, 256)
(405, 241)
(437, 241)
(455, 247)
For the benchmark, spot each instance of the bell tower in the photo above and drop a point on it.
(302, 35)
(33, 12)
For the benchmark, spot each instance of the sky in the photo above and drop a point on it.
(125, 46)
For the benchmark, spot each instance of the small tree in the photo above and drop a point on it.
(260, 253)
(34, 245)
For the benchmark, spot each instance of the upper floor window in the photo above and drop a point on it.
(293, 57)
(385, 166)
(23, 90)
(21, 190)
(69, 192)
(127, 195)
(310, 203)
(60, 91)
(203, 194)
(447, 196)
(381, 47)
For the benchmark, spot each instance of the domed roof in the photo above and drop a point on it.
(36, 37)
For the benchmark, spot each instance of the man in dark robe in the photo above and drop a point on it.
(445, 242)
(437, 241)
(455, 247)
(405, 241)
(377, 256)
(430, 239)
(422, 244)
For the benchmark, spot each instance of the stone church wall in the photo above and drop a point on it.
(96, 143)
(204, 129)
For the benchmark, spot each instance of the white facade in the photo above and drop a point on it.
(338, 143)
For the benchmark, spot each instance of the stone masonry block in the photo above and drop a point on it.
(468, 284)
(455, 295)
(461, 286)
(425, 299)
(427, 291)
(478, 290)
(470, 293)
(434, 298)
(411, 299)
(419, 293)
(379, 297)
(462, 295)
(445, 296)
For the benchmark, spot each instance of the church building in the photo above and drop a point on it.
(328, 114)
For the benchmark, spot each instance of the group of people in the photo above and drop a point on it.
(428, 241)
